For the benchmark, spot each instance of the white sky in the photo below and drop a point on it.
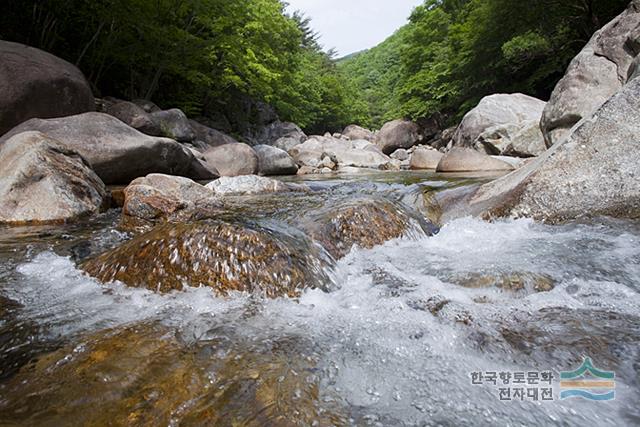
(353, 25)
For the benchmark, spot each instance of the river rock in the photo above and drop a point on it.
(117, 153)
(287, 143)
(147, 105)
(159, 197)
(274, 161)
(233, 159)
(397, 134)
(251, 184)
(343, 153)
(134, 116)
(174, 124)
(400, 154)
(35, 84)
(461, 159)
(594, 75)
(156, 377)
(272, 132)
(634, 69)
(523, 139)
(43, 181)
(363, 223)
(224, 256)
(357, 132)
(497, 110)
(591, 173)
(425, 158)
(209, 137)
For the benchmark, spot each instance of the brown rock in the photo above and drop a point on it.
(461, 159)
(423, 158)
(233, 159)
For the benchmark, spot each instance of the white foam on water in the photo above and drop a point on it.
(394, 363)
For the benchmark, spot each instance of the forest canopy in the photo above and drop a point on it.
(209, 56)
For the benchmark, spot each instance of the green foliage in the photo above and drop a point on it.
(453, 52)
(194, 54)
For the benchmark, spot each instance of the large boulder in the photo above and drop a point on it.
(117, 153)
(513, 139)
(157, 198)
(425, 158)
(251, 184)
(496, 110)
(592, 172)
(593, 76)
(208, 137)
(357, 132)
(134, 116)
(224, 256)
(397, 134)
(35, 84)
(342, 153)
(42, 181)
(272, 132)
(274, 161)
(634, 70)
(461, 159)
(232, 159)
(174, 124)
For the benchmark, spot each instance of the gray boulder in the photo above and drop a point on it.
(513, 139)
(271, 133)
(425, 158)
(117, 153)
(343, 153)
(397, 134)
(134, 116)
(43, 181)
(634, 69)
(400, 154)
(357, 132)
(494, 110)
(232, 159)
(462, 159)
(286, 143)
(591, 173)
(158, 197)
(174, 124)
(208, 137)
(274, 161)
(251, 185)
(35, 84)
(593, 76)
(147, 105)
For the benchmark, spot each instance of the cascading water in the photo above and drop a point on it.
(394, 342)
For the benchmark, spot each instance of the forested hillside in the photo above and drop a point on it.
(453, 52)
(204, 56)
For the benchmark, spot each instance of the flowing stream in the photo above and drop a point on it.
(394, 341)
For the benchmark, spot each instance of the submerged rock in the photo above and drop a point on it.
(251, 184)
(226, 257)
(363, 223)
(117, 153)
(147, 375)
(42, 181)
(461, 159)
(36, 84)
(529, 282)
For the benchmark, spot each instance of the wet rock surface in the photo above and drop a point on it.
(224, 256)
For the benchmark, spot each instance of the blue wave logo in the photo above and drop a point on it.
(598, 385)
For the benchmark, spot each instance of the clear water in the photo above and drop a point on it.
(382, 350)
